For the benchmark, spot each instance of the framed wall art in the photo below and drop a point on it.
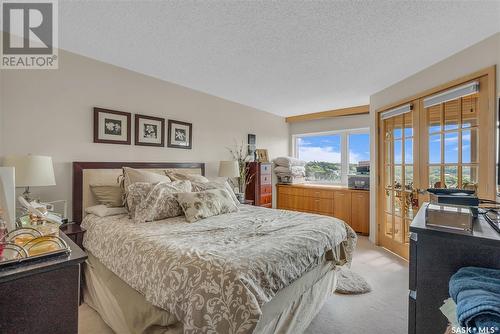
(149, 130)
(111, 126)
(262, 155)
(180, 134)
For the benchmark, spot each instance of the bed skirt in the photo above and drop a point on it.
(126, 311)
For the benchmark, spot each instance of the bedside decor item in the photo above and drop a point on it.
(149, 131)
(31, 171)
(252, 142)
(180, 134)
(240, 155)
(262, 155)
(111, 126)
(8, 196)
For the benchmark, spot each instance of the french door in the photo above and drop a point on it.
(432, 142)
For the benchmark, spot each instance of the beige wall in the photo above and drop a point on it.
(474, 58)
(49, 112)
(329, 124)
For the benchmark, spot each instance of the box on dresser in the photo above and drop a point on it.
(259, 188)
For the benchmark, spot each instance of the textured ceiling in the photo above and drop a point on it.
(285, 57)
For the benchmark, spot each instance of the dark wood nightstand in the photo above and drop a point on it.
(74, 232)
(42, 296)
(248, 201)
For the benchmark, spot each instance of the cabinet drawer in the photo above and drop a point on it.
(265, 179)
(309, 192)
(265, 169)
(318, 193)
(322, 205)
(266, 189)
(266, 199)
(306, 204)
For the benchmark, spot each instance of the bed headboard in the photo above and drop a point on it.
(86, 173)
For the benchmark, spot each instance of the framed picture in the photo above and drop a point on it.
(262, 155)
(149, 130)
(111, 126)
(252, 141)
(180, 134)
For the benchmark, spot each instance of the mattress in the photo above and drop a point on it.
(216, 275)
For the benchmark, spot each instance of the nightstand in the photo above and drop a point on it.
(42, 296)
(74, 232)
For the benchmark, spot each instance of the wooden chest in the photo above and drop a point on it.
(260, 187)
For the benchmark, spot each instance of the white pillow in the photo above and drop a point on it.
(104, 211)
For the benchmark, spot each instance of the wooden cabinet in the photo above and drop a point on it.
(351, 206)
(260, 187)
(360, 211)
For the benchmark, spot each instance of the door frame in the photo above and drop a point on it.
(490, 158)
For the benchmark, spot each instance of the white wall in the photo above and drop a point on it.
(328, 124)
(49, 112)
(479, 56)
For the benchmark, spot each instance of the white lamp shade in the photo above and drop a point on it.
(229, 169)
(32, 170)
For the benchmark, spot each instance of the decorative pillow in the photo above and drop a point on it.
(205, 204)
(160, 202)
(202, 186)
(131, 176)
(110, 195)
(104, 211)
(178, 176)
(136, 193)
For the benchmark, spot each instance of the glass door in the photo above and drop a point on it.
(453, 143)
(400, 197)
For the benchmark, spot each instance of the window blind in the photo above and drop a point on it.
(452, 94)
(397, 111)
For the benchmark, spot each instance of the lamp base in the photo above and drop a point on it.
(26, 194)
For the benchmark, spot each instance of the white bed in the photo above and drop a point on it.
(284, 304)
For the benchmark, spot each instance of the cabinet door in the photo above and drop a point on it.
(342, 206)
(360, 212)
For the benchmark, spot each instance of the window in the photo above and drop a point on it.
(331, 156)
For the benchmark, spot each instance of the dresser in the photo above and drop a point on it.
(435, 255)
(350, 205)
(43, 296)
(259, 188)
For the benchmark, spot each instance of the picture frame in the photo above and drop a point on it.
(112, 126)
(262, 155)
(252, 142)
(180, 134)
(149, 130)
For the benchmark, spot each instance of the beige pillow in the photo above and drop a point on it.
(104, 211)
(110, 195)
(205, 204)
(160, 202)
(178, 176)
(220, 184)
(131, 175)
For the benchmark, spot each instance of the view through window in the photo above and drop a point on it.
(331, 156)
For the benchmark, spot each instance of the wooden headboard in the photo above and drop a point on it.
(80, 167)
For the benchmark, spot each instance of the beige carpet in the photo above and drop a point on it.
(384, 310)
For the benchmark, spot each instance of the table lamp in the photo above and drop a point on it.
(229, 169)
(31, 171)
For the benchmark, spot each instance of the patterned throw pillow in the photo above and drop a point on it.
(159, 202)
(137, 192)
(204, 204)
(201, 186)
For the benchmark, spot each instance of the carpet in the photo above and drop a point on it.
(351, 283)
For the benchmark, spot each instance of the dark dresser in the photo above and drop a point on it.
(260, 187)
(42, 297)
(435, 255)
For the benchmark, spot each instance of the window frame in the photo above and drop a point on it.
(344, 148)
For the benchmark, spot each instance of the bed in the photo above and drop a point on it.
(256, 270)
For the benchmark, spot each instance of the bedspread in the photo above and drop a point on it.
(214, 275)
